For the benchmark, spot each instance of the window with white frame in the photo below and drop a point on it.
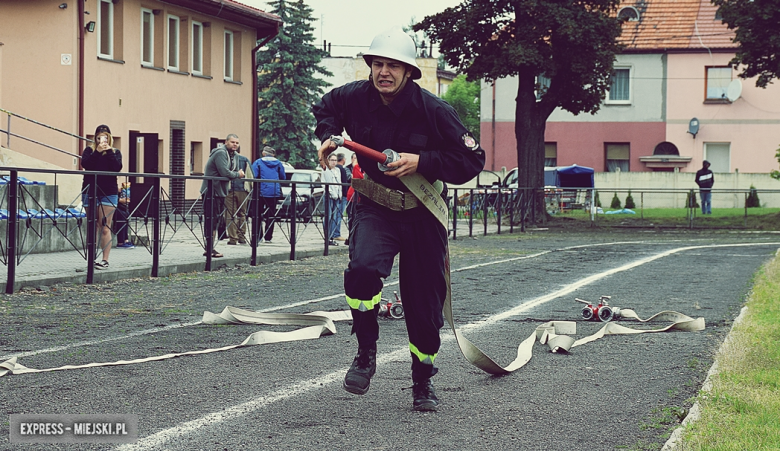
(228, 55)
(105, 28)
(719, 156)
(197, 48)
(618, 157)
(551, 154)
(620, 88)
(542, 85)
(718, 79)
(147, 37)
(173, 42)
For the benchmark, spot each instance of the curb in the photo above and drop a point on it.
(675, 442)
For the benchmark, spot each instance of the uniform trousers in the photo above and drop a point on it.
(378, 235)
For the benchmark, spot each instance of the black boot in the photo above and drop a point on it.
(424, 396)
(359, 375)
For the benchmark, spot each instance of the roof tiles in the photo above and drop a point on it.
(675, 24)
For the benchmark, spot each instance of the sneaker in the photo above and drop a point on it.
(359, 374)
(232, 243)
(127, 245)
(241, 242)
(332, 243)
(267, 241)
(101, 265)
(338, 238)
(425, 399)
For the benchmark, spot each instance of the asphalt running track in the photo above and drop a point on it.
(616, 393)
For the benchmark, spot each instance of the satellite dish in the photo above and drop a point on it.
(693, 127)
(734, 90)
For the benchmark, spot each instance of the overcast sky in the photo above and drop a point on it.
(350, 25)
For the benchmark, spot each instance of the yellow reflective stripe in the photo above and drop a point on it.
(364, 306)
(424, 358)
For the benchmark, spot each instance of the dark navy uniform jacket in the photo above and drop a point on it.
(415, 122)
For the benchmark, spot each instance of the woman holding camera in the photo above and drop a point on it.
(101, 156)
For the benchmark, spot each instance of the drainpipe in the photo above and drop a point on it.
(80, 69)
(493, 130)
(255, 108)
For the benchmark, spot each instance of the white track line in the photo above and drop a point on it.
(159, 439)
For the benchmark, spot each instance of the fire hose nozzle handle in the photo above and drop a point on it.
(582, 301)
(392, 156)
(337, 140)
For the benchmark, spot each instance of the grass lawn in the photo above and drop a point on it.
(729, 218)
(742, 411)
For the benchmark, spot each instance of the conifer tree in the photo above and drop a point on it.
(288, 88)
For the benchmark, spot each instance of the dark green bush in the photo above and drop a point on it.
(630, 201)
(615, 202)
(752, 200)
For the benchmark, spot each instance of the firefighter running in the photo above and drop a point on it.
(390, 111)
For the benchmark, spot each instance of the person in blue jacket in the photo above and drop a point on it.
(269, 168)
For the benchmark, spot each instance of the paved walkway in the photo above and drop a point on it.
(181, 252)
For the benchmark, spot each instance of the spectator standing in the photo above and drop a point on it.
(122, 216)
(236, 204)
(342, 205)
(333, 175)
(352, 198)
(219, 164)
(705, 179)
(103, 157)
(268, 167)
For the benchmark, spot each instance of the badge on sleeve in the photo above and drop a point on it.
(470, 142)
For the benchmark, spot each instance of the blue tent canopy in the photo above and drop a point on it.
(569, 176)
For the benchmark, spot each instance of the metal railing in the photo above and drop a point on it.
(9, 134)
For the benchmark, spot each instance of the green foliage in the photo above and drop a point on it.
(597, 201)
(288, 87)
(615, 202)
(571, 43)
(752, 200)
(758, 36)
(463, 95)
(775, 174)
(630, 201)
(690, 200)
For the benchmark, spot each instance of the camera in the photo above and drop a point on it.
(601, 312)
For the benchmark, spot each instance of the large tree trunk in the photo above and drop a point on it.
(530, 124)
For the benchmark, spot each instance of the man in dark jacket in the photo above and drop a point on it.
(219, 164)
(705, 179)
(236, 202)
(269, 168)
(390, 111)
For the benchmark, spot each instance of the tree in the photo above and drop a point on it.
(755, 23)
(463, 95)
(287, 86)
(571, 44)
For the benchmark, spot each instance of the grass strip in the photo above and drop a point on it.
(742, 411)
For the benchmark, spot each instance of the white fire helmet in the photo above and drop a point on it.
(397, 45)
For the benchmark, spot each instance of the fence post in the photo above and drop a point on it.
(256, 217)
(498, 212)
(92, 191)
(13, 212)
(211, 221)
(293, 218)
(154, 202)
(454, 214)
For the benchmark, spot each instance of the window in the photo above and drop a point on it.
(618, 157)
(718, 154)
(629, 14)
(620, 90)
(551, 154)
(197, 48)
(718, 79)
(173, 43)
(228, 55)
(542, 85)
(147, 37)
(106, 28)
